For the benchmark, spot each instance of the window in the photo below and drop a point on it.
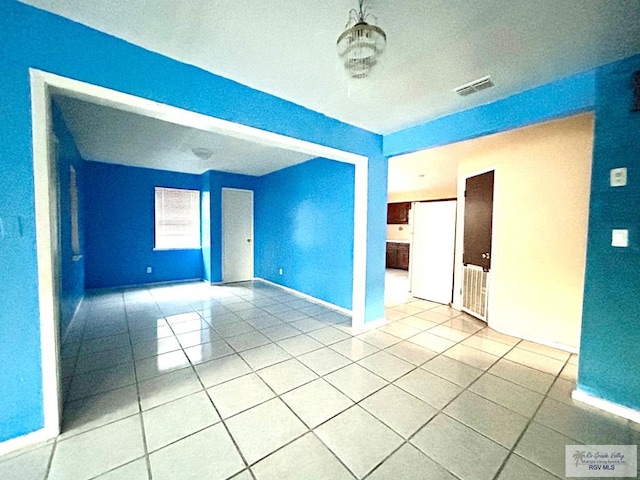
(177, 218)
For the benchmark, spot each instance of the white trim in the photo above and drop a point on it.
(607, 406)
(24, 441)
(324, 303)
(130, 103)
(48, 299)
(529, 338)
(148, 285)
(358, 301)
(42, 85)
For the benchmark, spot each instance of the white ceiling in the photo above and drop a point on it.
(287, 47)
(433, 170)
(115, 136)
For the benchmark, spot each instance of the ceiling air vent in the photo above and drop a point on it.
(475, 86)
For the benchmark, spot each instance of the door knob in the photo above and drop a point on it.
(248, 240)
(486, 256)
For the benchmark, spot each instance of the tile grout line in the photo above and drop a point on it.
(140, 411)
(407, 440)
(315, 316)
(359, 401)
(220, 416)
(278, 396)
(222, 420)
(352, 362)
(50, 461)
(309, 429)
(109, 423)
(529, 422)
(65, 397)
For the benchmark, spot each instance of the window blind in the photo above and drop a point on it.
(177, 219)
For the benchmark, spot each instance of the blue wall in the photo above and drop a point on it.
(610, 337)
(33, 38)
(120, 227)
(72, 271)
(217, 181)
(565, 97)
(304, 225)
(20, 375)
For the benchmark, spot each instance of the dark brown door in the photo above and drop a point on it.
(478, 213)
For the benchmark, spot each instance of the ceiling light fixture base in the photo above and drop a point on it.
(202, 153)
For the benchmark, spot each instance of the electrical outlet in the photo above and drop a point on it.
(280, 271)
(149, 269)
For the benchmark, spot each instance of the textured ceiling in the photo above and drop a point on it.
(114, 136)
(287, 47)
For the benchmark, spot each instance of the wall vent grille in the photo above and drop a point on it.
(475, 282)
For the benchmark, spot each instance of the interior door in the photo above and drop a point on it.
(237, 235)
(432, 250)
(478, 220)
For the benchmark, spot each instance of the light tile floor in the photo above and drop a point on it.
(247, 381)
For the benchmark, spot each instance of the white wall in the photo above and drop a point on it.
(541, 205)
(399, 232)
(441, 192)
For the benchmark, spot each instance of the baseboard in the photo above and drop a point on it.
(306, 296)
(607, 406)
(150, 284)
(24, 441)
(541, 341)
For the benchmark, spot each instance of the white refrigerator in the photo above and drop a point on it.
(432, 250)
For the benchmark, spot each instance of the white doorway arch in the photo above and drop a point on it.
(43, 85)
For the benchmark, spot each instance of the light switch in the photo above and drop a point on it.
(619, 238)
(618, 177)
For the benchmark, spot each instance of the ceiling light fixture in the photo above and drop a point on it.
(202, 153)
(361, 44)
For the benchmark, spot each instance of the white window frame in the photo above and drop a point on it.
(189, 239)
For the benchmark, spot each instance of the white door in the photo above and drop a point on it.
(237, 235)
(432, 250)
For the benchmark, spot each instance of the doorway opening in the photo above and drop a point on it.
(43, 86)
(536, 249)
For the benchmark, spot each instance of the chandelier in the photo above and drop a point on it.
(360, 45)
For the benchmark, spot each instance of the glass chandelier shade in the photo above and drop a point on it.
(360, 46)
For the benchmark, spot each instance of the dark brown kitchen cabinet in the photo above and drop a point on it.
(398, 213)
(398, 255)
